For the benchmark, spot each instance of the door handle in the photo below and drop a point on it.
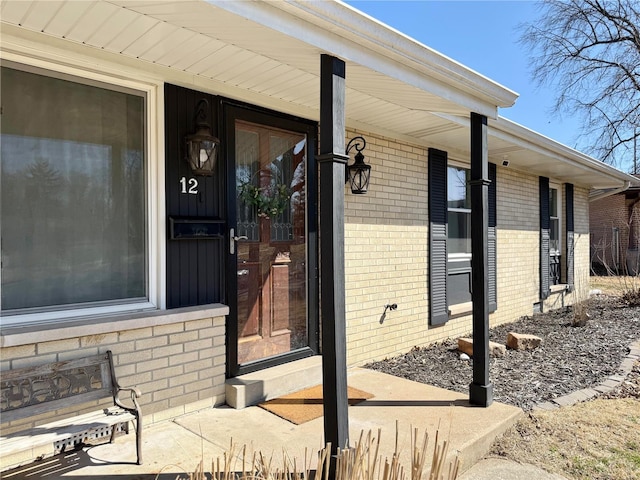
(233, 239)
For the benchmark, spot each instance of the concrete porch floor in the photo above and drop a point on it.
(174, 447)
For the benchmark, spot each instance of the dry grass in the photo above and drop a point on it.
(595, 440)
(614, 285)
(363, 461)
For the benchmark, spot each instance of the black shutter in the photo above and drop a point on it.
(545, 222)
(491, 242)
(439, 313)
(569, 278)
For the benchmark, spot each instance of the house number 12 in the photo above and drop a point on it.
(192, 183)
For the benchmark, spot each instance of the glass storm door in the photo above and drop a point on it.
(270, 242)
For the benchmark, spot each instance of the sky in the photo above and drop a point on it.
(482, 35)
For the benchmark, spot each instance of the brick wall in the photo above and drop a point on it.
(634, 221)
(179, 367)
(518, 244)
(615, 228)
(582, 247)
(386, 253)
(606, 215)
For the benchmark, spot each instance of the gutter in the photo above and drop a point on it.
(361, 27)
(612, 191)
(568, 155)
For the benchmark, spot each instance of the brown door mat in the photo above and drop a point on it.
(300, 407)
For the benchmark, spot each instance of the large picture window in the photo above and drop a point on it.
(73, 208)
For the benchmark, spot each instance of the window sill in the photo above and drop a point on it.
(15, 335)
(461, 309)
(562, 287)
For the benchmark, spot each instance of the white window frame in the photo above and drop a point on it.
(457, 257)
(560, 204)
(154, 182)
(453, 258)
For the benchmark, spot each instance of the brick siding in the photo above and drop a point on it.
(615, 227)
(606, 215)
(386, 253)
(179, 367)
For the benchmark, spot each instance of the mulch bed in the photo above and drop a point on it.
(570, 358)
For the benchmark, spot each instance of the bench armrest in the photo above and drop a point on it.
(134, 395)
(134, 391)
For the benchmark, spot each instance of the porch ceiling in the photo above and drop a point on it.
(268, 53)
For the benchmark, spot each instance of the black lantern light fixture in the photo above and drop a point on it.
(358, 173)
(202, 146)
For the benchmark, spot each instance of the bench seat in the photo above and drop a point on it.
(33, 391)
(68, 433)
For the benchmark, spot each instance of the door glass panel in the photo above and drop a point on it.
(247, 166)
(271, 261)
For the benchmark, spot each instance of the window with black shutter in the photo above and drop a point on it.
(450, 212)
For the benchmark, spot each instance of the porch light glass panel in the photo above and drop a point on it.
(359, 174)
(202, 154)
(73, 193)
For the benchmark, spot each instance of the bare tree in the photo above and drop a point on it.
(590, 51)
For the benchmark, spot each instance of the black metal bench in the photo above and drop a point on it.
(31, 391)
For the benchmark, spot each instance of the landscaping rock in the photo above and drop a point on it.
(495, 349)
(523, 341)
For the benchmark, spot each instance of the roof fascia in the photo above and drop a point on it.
(531, 140)
(361, 27)
(561, 152)
(337, 29)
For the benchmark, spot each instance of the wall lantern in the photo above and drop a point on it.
(202, 146)
(358, 172)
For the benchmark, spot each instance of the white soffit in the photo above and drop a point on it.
(271, 50)
(269, 53)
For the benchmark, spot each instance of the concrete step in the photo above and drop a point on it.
(253, 388)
